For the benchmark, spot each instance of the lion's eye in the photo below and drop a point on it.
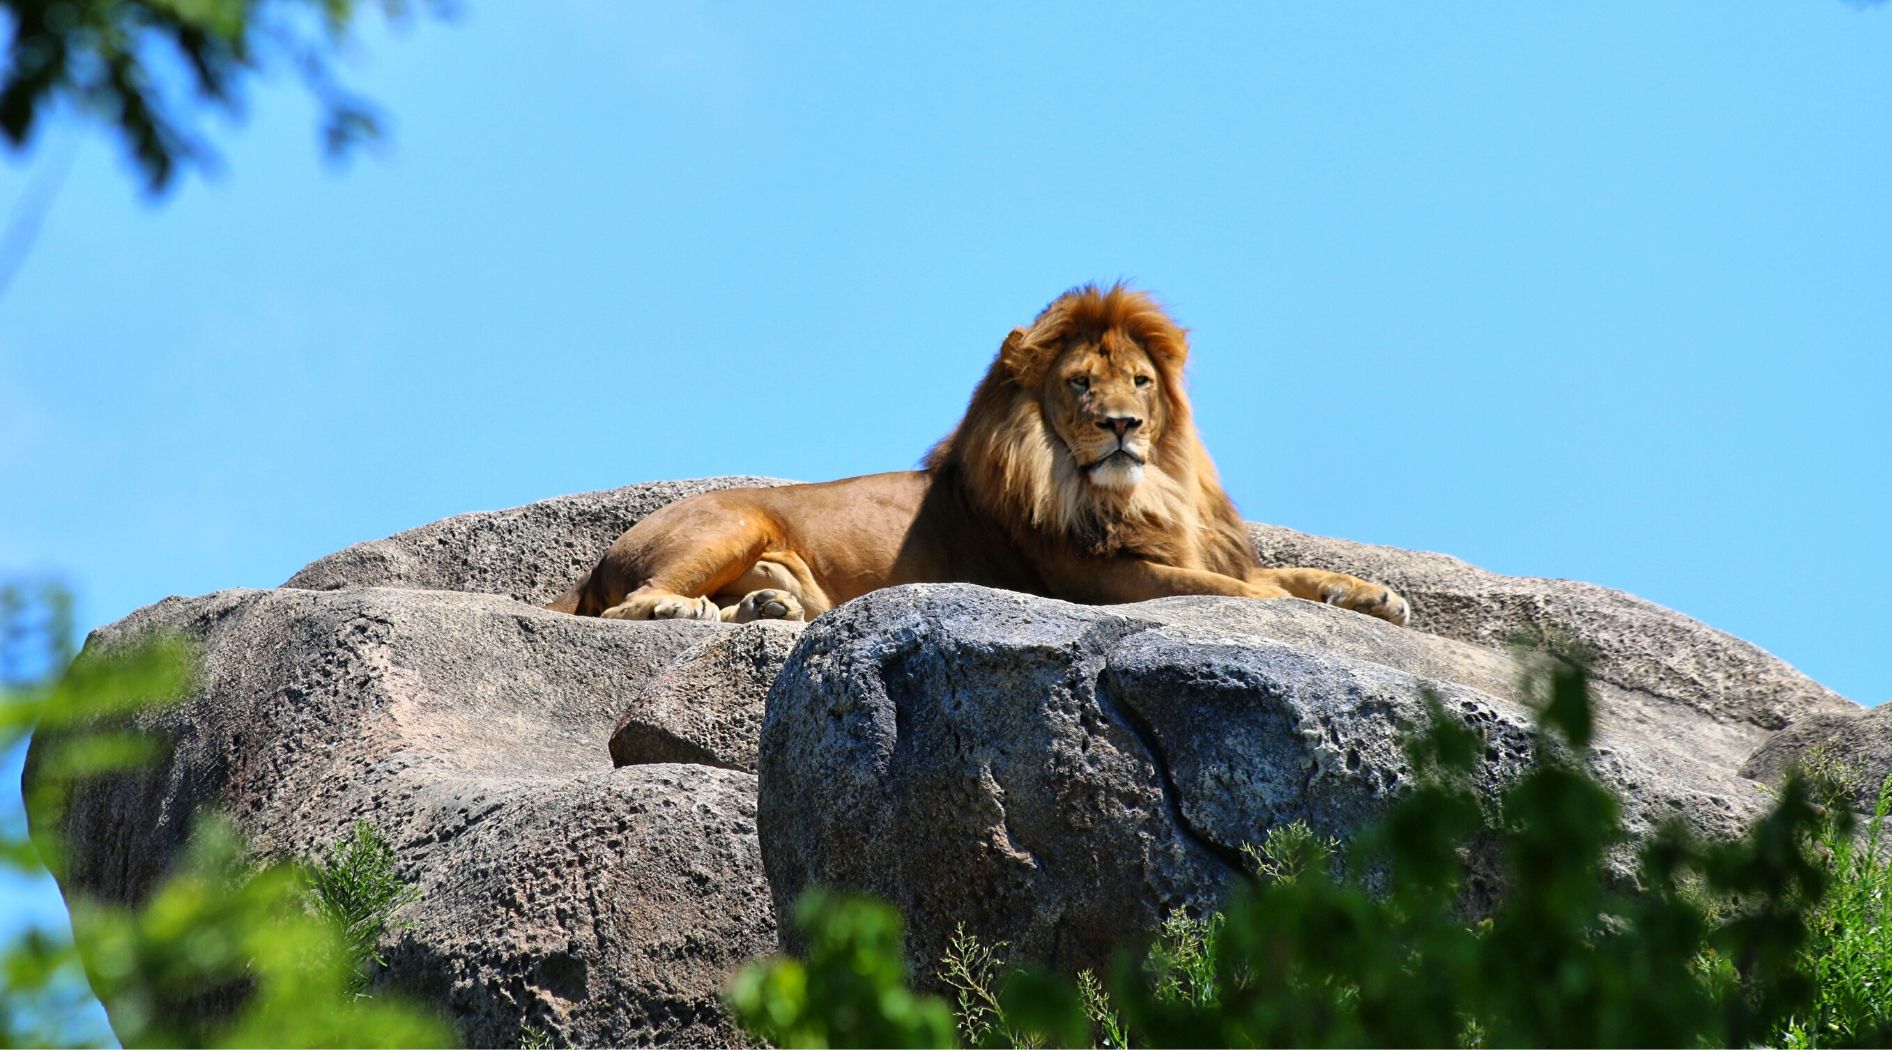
(1143, 380)
(1081, 382)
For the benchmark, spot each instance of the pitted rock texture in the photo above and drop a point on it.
(1631, 643)
(1861, 741)
(532, 553)
(577, 798)
(706, 707)
(1061, 776)
(601, 906)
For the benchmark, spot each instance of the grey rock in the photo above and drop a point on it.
(599, 905)
(1859, 740)
(1051, 774)
(1061, 775)
(531, 553)
(1632, 644)
(706, 707)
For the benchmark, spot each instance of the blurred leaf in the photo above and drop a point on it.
(96, 56)
(852, 989)
(224, 951)
(1045, 1008)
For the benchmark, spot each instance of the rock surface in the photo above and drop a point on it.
(1631, 643)
(707, 705)
(577, 799)
(601, 906)
(1859, 740)
(531, 553)
(1059, 775)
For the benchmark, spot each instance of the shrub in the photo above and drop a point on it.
(1717, 943)
(851, 991)
(1850, 953)
(354, 886)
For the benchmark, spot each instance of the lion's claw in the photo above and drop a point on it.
(1369, 598)
(686, 609)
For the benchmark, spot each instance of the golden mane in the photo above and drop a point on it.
(1012, 466)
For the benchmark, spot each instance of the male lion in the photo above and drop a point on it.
(1076, 474)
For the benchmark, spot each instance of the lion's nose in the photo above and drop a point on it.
(1120, 425)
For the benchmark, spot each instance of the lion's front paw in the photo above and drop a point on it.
(1367, 597)
(681, 608)
(767, 604)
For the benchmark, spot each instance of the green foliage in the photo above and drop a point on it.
(355, 886)
(122, 61)
(229, 954)
(1850, 954)
(223, 952)
(1181, 964)
(974, 971)
(1781, 936)
(1288, 852)
(851, 991)
(1103, 1014)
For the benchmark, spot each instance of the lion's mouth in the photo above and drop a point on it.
(1123, 452)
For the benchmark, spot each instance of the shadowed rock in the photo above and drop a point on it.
(706, 707)
(1052, 774)
(1061, 776)
(1860, 740)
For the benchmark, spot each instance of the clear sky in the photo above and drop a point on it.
(1598, 290)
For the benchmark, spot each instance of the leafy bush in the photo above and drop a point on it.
(223, 952)
(851, 991)
(1850, 955)
(1721, 943)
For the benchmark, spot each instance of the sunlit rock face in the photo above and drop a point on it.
(605, 818)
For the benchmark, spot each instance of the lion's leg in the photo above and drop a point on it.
(1136, 581)
(671, 564)
(655, 603)
(777, 587)
(1338, 588)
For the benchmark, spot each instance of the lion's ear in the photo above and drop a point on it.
(1018, 356)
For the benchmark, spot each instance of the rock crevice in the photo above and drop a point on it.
(604, 819)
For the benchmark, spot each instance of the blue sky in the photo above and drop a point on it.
(1588, 290)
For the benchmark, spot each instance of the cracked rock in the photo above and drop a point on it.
(1055, 775)
(1061, 776)
(599, 906)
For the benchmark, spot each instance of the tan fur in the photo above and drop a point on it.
(1077, 473)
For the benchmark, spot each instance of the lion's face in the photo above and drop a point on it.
(1104, 401)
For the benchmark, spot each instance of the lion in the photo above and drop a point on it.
(1076, 473)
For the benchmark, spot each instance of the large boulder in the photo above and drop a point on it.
(598, 905)
(531, 553)
(1858, 742)
(577, 799)
(1630, 643)
(1061, 776)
